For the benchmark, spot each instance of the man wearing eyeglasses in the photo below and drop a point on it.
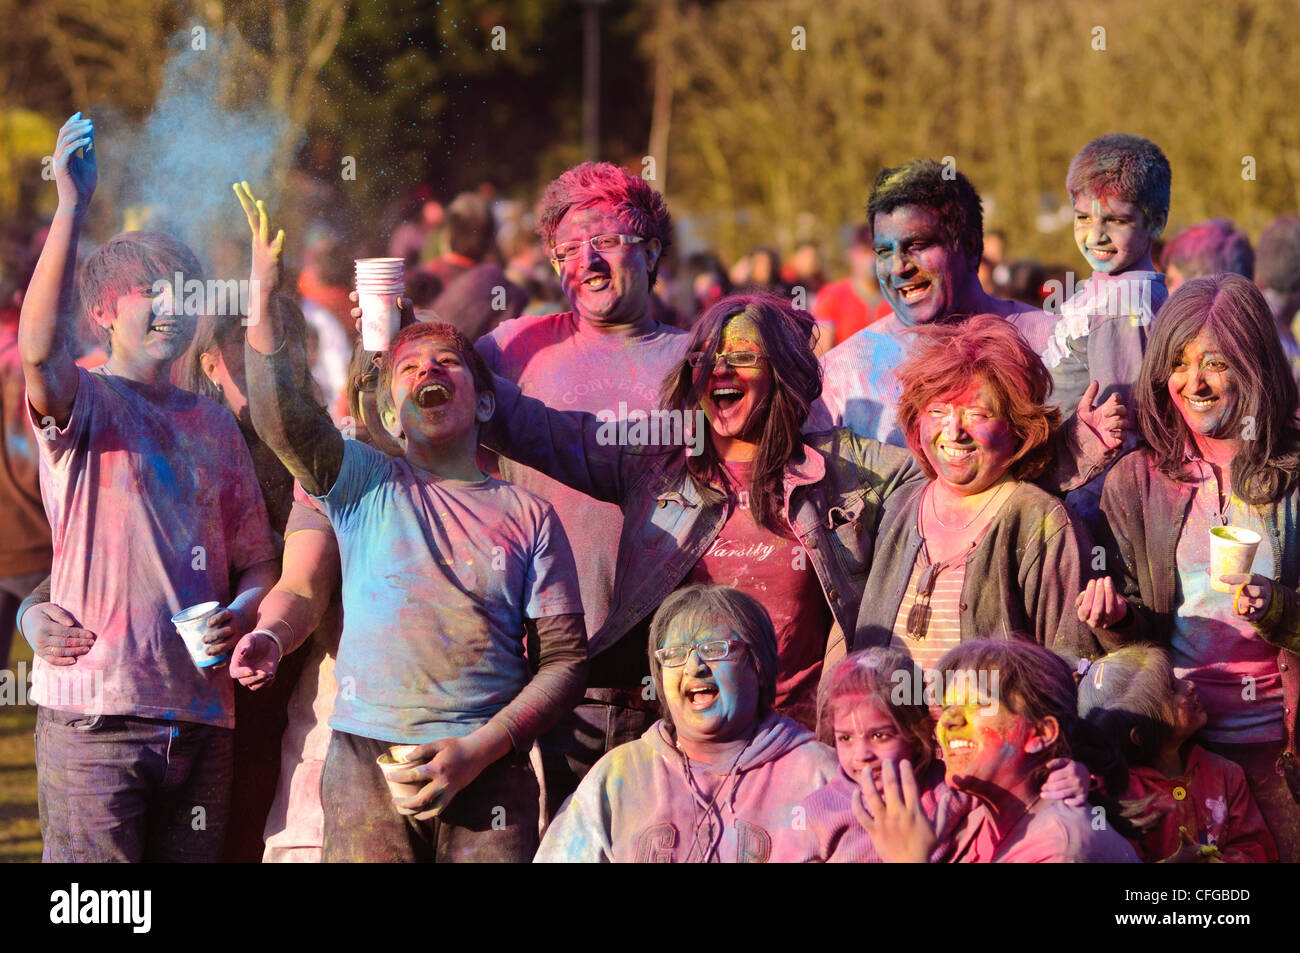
(605, 231)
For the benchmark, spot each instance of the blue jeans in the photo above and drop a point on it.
(114, 788)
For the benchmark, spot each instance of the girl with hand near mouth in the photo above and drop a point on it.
(862, 714)
(977, 551)
(1216, 407)
(998, 744)
(1198, 806)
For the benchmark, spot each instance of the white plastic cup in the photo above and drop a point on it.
(192, 625)
(1232, 551)
(380, 319)
(379, 282)
(397, 758)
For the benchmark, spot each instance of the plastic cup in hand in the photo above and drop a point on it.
(379, 282)
(192, 625)
(1232, 551)
(397, 758)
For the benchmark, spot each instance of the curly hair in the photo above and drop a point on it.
(933, 185)
(945, 360)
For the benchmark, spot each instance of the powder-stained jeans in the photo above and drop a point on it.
(492, 820)
(114, 788)
(583, 737)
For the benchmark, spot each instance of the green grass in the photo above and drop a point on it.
(20, 828)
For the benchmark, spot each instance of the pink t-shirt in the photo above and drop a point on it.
(562, 362)
(154, 505)
(770, 567)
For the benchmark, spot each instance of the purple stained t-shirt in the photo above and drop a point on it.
(561, 361)
(155, 507)
(438, 576)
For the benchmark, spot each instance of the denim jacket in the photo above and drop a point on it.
(1144, 512)
(834, 496)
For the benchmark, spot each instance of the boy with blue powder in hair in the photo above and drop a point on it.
(448, 575)
(154, 507)
(1119, 186)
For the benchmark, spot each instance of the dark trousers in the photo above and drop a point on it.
(492, 820)
(114, 788)
(581, 738)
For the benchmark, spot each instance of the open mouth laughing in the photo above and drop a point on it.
(431, 394)
(700, 695)
(725, 398)
(912, 291)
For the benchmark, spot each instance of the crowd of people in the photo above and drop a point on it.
(695, 565)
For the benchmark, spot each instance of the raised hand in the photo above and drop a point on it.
(267, 250)
(75, 170)
(1099, 605)
(1109, 421)
(55, 635)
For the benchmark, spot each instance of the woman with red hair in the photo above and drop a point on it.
(977, 551)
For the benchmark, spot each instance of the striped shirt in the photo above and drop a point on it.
(944, 630)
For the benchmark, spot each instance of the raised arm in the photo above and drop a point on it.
(299, 432)
(45, 328)
(570, 446)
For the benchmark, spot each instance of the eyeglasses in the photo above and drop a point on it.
(714, 650)
(610, 242)
(733, 359)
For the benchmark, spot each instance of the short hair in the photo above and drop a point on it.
(471, 230)
(1210, 248)
(945, 359)
(1235, 312)
(933, 185)
(436, 331)
(131, 260)
(693, 608)
(1277, 258)
(1127, 167)
(1129, 689)
(875, 673)
(640, 207)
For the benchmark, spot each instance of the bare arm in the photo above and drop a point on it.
(45, 333)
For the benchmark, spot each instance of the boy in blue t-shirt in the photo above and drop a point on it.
(447, 575)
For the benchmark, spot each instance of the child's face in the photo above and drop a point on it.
(1112, 234)
(434, 394)
(145, 325)
(984, 744)
(1187, 713)
(865, 736)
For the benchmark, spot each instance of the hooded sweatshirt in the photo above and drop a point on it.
(643, 802)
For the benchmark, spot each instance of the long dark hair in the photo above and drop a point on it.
(785, 335)
(1264, 468)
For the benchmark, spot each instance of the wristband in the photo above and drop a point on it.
(270, 635)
